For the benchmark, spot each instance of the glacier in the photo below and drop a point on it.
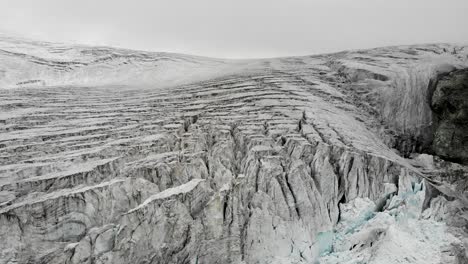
(119, 156)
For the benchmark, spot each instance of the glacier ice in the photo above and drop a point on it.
(119, 156)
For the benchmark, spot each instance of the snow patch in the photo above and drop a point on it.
(181, 189)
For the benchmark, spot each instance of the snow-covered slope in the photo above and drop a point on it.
(31, 63)
(120, 156)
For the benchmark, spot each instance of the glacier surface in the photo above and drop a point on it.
(118, 156)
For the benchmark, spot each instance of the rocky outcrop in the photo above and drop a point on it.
(252, 165)
(450, 106)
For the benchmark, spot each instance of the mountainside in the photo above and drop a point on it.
(118, 156)
(28, 63)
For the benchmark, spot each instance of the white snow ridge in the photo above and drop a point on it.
(119, 156)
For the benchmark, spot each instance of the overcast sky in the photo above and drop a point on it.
(238, 28)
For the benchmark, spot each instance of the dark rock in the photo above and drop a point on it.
(449, 104)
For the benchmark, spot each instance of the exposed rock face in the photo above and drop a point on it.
(250, 165)
(450, 105)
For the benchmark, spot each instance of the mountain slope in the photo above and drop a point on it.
(119, 156)
(30, 63)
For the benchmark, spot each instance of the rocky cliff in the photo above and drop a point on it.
(118, 156)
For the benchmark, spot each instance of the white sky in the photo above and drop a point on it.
(238, 28)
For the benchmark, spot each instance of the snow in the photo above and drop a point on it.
(27, 63)
(181, 189)
(60, 193)
(79, 168)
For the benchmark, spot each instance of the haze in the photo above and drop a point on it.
(241, 28)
